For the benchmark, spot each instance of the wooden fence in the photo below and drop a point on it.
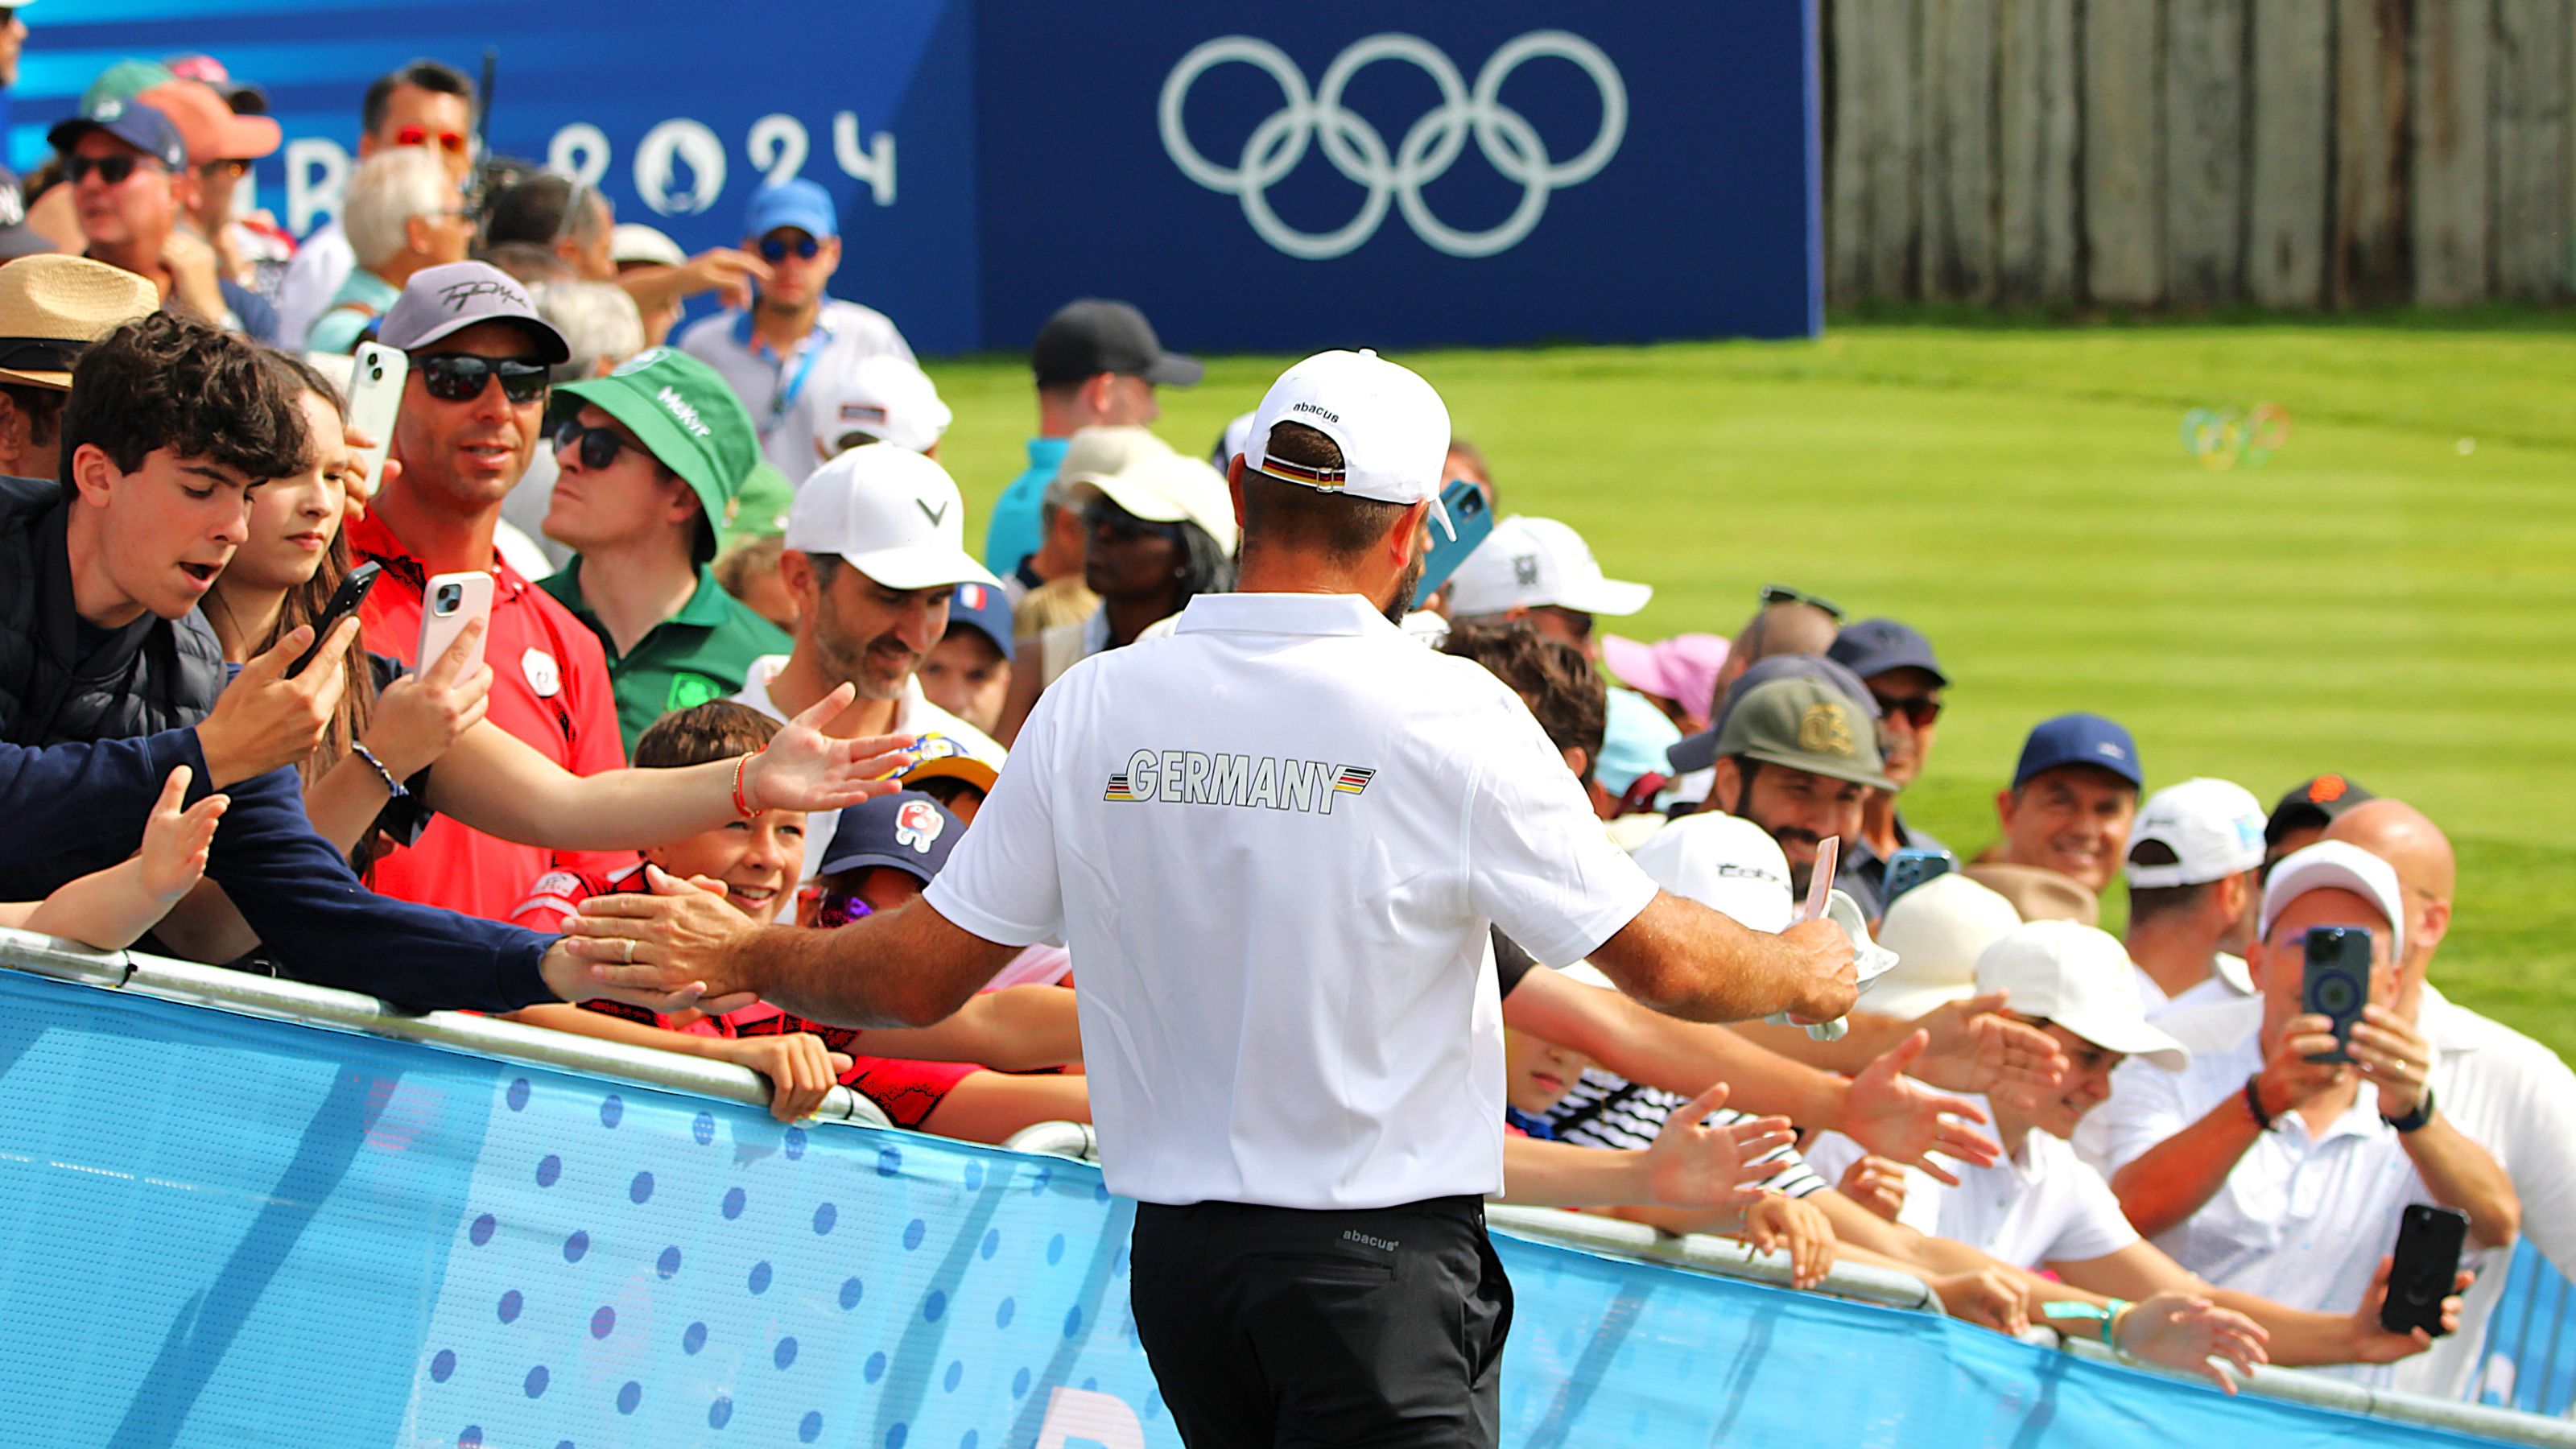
(2194, 153)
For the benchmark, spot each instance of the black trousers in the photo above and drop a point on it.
(1279, 1326)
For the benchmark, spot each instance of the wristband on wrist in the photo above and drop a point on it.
(2254, 1103)
(2105, 1314)
(2413, 1121)
(742, 805)
(393, 788)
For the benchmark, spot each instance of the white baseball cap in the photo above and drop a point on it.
(1164, 487)
(1730, 865)
(894, 514)
(2337, 865)
(1530, 563)
(2079, 977)
(633, 241)
(1238, 436)
(1392, 428)
(2213, 827)
(1937, 930)
(888, 398)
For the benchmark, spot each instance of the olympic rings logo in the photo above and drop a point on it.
(1356, 149)
(2221, 438)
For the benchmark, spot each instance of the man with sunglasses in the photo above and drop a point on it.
(423, 104)
(471, 414)
(795, 342)
(126, 163)
(1905, 682)
(649, 460)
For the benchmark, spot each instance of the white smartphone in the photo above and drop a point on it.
(447, 605)
(375, 395)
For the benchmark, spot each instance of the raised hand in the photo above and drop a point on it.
(176, 841)
(419, 716)
(1691, 1166)
(1893, 1116)
(1974, 1047)
(1876, 1184)
(806, 769)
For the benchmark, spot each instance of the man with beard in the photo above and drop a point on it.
(876, 547)
(1797, 758)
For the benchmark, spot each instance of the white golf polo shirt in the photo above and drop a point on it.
(1273, 842)
(2037, 1206)
(781, 392)
(914, 714)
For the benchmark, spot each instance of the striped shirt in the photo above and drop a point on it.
(1605, 1110)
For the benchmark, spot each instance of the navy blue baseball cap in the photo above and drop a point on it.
(982, 608)
(906, 830)
(797, 202)
(2079, 739)
(1872, 647)
(138, 124)
(1699, 751)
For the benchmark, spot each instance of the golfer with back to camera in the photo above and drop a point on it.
(1275, 841)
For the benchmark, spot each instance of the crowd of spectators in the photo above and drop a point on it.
(738, 647)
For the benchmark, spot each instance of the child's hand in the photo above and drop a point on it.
(800, 1068)
(1797, 1227)
(176, 841)
(1876, 1184)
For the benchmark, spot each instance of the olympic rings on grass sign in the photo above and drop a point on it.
(1430, 146)
(2222, 438)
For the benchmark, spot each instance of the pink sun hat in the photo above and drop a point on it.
(1683, 668)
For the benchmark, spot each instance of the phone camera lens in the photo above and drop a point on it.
(450, 596)
(2335, 994)
(376, 373)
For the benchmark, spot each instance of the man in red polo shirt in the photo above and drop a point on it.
(471, 415)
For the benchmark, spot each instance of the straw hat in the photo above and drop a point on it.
(53, 306)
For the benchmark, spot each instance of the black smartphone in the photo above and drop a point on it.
(344, 602)
(2338, 983)
(2429, 1240)
(1911, 867)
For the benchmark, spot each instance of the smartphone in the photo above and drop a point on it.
(1911, 867)
(2337, 986)
(447, 605)
(2429, 1240)
(1471, 520)
(375, 395)
(344, 602)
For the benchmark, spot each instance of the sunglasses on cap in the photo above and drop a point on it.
(460, 376)
(776, 248)
(1919, 710)
(451, 142)
(112, 170)
(1783, 594)
(831, 908)
(1124, 526)
(598, 447)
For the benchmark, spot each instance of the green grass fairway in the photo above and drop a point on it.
(2381, 598)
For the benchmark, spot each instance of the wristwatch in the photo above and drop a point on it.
(2412, 1121)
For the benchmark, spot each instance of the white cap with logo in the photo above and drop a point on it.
(2337, 865)
(1730, 865)
(2079, 977)
(895, 515)
(1532, 563)
(1162, 487)
(1392, 428)
(2213, 827)
(885, 397)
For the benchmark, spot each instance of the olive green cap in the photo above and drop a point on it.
(1806, 724)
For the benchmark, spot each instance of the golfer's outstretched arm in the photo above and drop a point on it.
(1685, 960)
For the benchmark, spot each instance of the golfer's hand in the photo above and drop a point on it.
(671, 941)
(1824, 980)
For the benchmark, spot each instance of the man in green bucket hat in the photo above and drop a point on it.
(651, 460)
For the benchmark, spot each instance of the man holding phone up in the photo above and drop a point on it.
(2263, 1169)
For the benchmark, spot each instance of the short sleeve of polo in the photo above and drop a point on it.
(2093, 1225)
(2146, 1106)
(1539, 864)
(1002, 882)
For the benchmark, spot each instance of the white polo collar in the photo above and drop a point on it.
(1345, 614)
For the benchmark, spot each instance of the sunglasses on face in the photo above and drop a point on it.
(1783, 594)
(112, 170)
(774, 249)
(451, 142)
(839, 908)
(599, 447)
(459, 377)
(1122, 525)
(1919, 711)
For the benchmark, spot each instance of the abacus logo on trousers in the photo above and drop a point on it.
(1510, 144)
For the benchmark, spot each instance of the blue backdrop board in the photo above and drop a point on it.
(1260, 176)
(216, 1230)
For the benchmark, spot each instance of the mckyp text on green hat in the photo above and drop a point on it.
(687, 417)
(1806, 724)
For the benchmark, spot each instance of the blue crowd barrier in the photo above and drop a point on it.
(2529, 1360)
(224, 1229)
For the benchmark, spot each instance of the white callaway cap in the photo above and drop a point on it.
(1163, 487)
(1532, 563)
(1937, 930)
(885, 397)
(1729, 865)
(2213, 827)
(894, 514)
(2080, 978)
(2337, 865)
(1393, 430)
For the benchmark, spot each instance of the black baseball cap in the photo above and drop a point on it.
(907, 830)
(1092, 336)
(2313, 804)
(1872, 647)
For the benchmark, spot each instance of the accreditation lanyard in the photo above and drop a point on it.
(785, 394)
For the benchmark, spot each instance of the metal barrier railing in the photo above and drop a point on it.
(317, 1006)
(321, 1006)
